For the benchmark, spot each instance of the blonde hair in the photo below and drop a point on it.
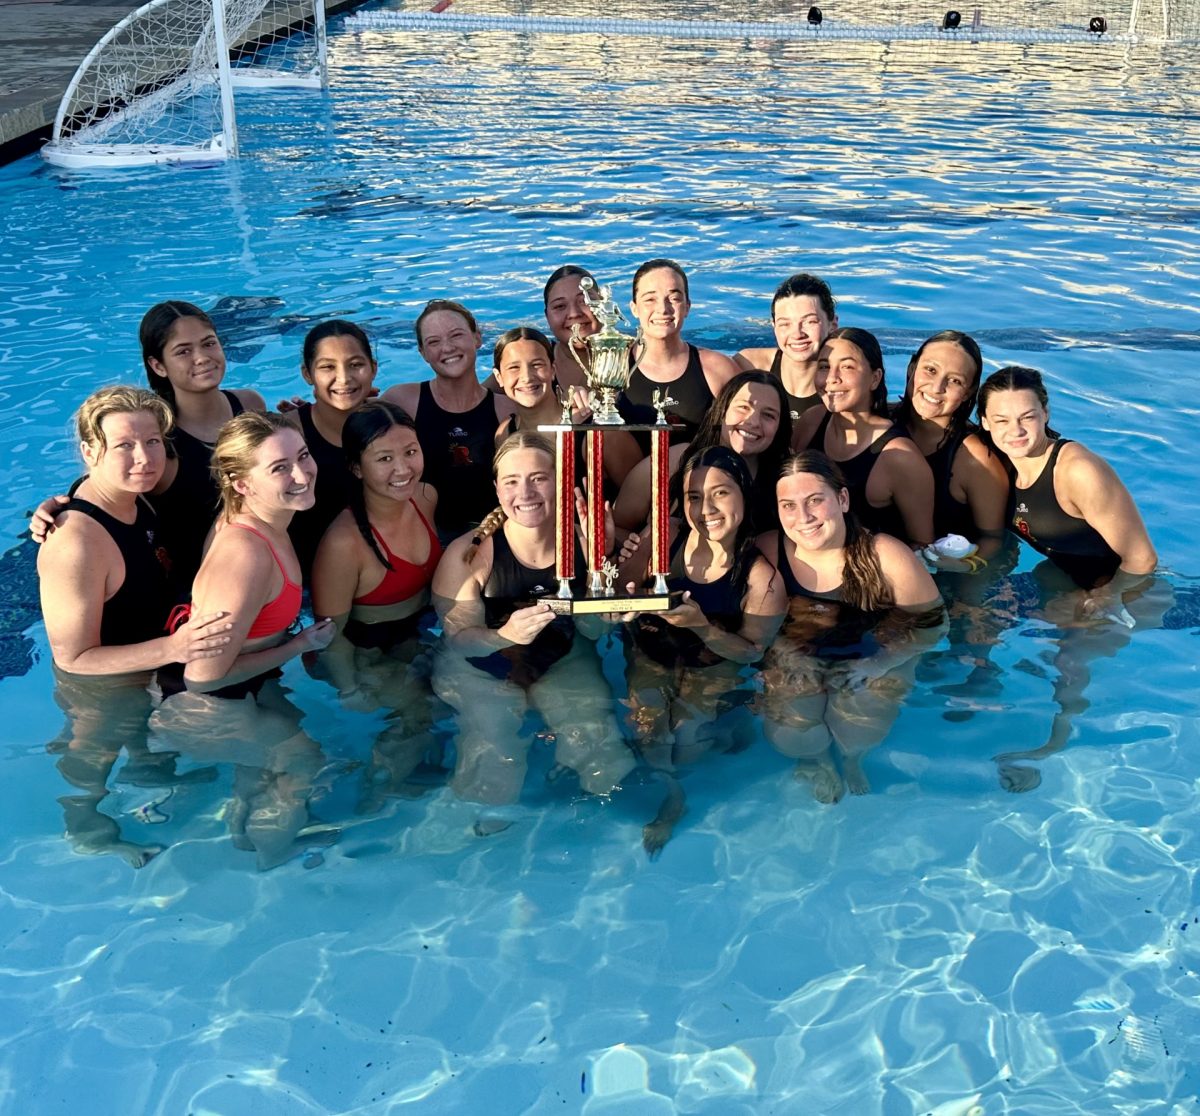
(119, 400)
(235, 451)
(494, 520)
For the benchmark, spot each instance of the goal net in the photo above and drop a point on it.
(283, 47)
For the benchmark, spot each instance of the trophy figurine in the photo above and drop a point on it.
(607, 370)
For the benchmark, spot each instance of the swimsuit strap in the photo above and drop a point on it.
(255, 531)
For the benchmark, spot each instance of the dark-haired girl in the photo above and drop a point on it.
(860, 608)
(803, 312)
(686, 665)
(890, 485)
(337, 361)
(566, 308)
(372, 577)
(691, 375)
(970, 486)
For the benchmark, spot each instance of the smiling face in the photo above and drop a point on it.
(525, 372)
(660, 303)
(525, 486)
(392, 464)
(565, 308)
(282, 476)
(713, 505)
(845, 377)
(942, 381)
(751, 420)
(133, 454)
(449, 344)
(341, 373)
(801, 326)
(192, 358)
(1016, 421)
(811, 513)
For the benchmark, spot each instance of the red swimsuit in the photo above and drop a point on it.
(404, 579)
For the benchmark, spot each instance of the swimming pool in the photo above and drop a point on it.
(933, 941)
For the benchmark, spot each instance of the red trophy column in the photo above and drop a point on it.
(564, 510)
(660, 467)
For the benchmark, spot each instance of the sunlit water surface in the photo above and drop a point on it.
(939, 942)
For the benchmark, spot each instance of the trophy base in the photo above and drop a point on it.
(621, 602)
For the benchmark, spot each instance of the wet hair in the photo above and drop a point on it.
(119, 400)
(709, 431)
(335, 327)
(803, 284)
(868, 345)
(371, 421)
(436, 304)
(494, 520)
(562, 273)
(237, 445)
(960, 420)
(520, 333)
(863, 584)
(1014, 377)
(654, 265)
(735, 467)
(154, 333)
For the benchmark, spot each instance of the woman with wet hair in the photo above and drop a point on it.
(665, 361)
(505, 650)
(687, 668)
(566, 308)
(1066, 502)
(456, 415)
(803, 313)
(890, 485)
(750, 416)
(861, 608)
(970, 485)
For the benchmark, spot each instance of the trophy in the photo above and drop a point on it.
(607, 371)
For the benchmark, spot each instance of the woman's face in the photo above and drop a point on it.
(942, 379)
(192, 359)
(449, 344)
(660, 303)
(801, 326)
(283, 475)
(392, 464)
(845, 377)
(751, 419)
(713, 504)
(133, 454)
(565, 308)
(811, 513)
(1016, 421)
(341, 373)
(525, 373)
(525, 486)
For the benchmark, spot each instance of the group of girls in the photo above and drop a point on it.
(804, 506)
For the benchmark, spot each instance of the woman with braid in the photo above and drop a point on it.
(861, 607)
(372, 576)
(505, 650)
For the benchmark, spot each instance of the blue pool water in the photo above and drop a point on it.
(939, 942)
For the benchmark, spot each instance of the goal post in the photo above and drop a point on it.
(284, 46)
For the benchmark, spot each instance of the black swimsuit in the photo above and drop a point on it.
(511, 586)
(458, 450)
(333, 487)
(720, 601)
(138, 611)
(187, 509)
(1072, 544)
(797, 404)
(857, 471)
(950, 516)
(690, 391)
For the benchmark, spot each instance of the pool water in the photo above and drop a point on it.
(939, 945)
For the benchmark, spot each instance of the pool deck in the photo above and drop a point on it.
(42, 43)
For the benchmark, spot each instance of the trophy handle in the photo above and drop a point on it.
(576, 336)
(638, 340)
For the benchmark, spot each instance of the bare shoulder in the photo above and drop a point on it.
(751, 360)
(1079, 465)
(718, 368)
(454, 572)
(250, 399)
(975, 456)
(77, 538)
(505, 407)
(768, 542)
(404, 396)
(905, 572)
